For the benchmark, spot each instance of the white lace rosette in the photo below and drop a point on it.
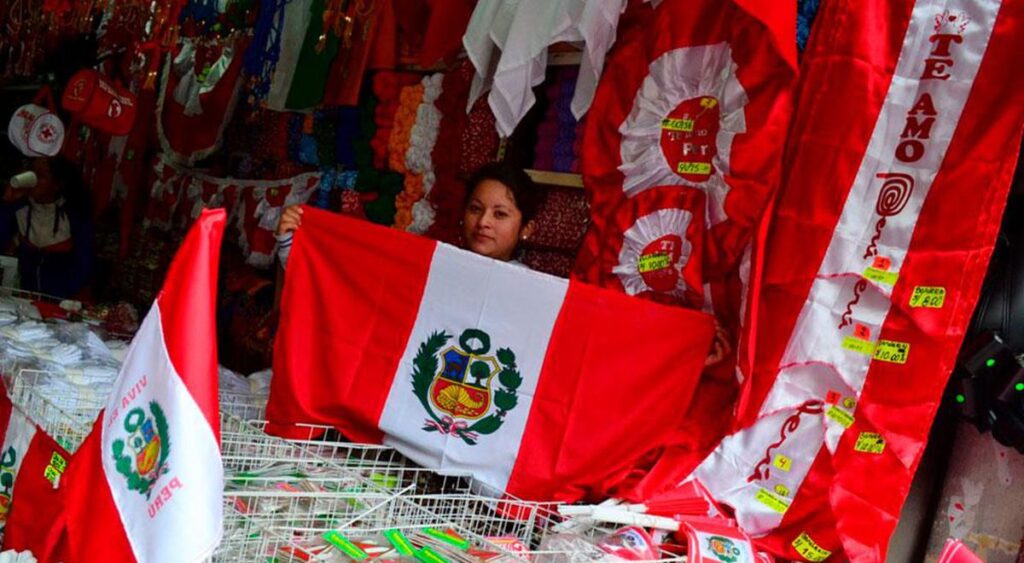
(421, 145)
(674, 77)
(637, 240)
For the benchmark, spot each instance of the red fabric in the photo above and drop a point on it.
(479, 139)
(338, 369)
(588, 459)
(5, 409)
(95, 101)
(310, 343)
(36, 521)
(191, 340)
(445, 28)
(384, 54)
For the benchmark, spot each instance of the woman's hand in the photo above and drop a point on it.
(291, 219)
(720, 346)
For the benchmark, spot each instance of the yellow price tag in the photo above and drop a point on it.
(58, 462)
(929, 297)
(810, 551)
(772, 501)
(694, 168)
(51, 474)
(837, 414)
(653, 262)
(881, 276)
(869, 443)
(858, 345)
(782, 490)
(675, 124)
(893, 352)
(783, 462)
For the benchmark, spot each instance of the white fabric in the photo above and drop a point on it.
(41, 233)
(20, 431)
(186, 526)
(501, 311)
(507, 42)
(815, 361)
(297, 17)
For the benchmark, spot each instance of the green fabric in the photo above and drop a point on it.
(387, 185)
(310, 78)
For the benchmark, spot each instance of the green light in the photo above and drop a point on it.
(990, 362)
(1019, 386)
(960, 398)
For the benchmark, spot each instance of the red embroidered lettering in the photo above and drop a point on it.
(942, 42)
(910, 151)
(935, 68)
(918, 129)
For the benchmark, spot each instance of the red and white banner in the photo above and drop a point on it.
(873, 264)
(147, 483)
(541, 387)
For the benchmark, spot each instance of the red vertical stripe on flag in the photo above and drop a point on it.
(192, 342)
(588, 377)
(357, 327)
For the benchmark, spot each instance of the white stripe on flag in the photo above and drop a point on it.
(517, 309)
(20, 432)
(180, 518)
(816, 360)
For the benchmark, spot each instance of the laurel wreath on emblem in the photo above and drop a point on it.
(132, 421)
(505, 399)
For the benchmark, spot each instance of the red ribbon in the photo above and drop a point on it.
(452, 427)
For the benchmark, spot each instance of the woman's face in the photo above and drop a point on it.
(492, 223)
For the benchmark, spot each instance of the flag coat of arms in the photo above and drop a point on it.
(147, 483)
(538, 386)
(900, 160)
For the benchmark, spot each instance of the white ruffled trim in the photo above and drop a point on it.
(422, 140)
(679, 75)
(644, 231)
(423, 216)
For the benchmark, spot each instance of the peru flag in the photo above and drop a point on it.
(541, 387)
(898, 168)
(146, 485)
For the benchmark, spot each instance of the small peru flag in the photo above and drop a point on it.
(147, 483)
(541, 387)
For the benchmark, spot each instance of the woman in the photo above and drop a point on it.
(47, 227)
(497, 215)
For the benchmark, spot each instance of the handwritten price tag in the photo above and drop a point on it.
(892, 352)
(694, 168)
(881, 276)
(772, 501)
(837, 414)
(674, 124)
(783, 462)
(928, 297)
(58, 462)
(810, 550)
(869, 443)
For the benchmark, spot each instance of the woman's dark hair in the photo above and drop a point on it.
(72, 187)
(524, 192)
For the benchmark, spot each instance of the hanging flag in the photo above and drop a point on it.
(538, 386)
(197, 98)
(906, 109)
(147, 483)
(18, 434)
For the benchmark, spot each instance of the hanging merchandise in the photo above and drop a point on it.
(507, 40)
(311, 32)
(449, 190)
(882, 204)
(527, 411)
(254, 206)
(361, 36)
(99, 103)
(267, 51)
(696, 132)
(35, 130)
(422, 139)
(387, 88)
(198, 96)
(442, 39)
